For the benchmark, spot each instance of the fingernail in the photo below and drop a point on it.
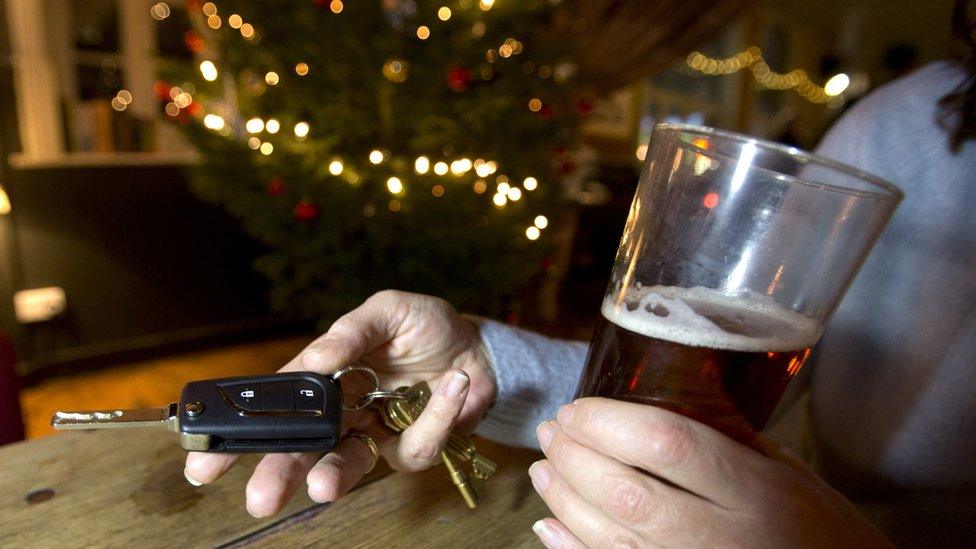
(252, 513)
(191, 480)
(545, 533)
(545, 432)
(539, 473)
(565, 414)
(311, 359)
(457, 384)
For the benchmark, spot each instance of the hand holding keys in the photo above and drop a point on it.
(285, 412)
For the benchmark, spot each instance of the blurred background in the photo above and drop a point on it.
(195, 189)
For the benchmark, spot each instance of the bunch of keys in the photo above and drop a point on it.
(400, 413)
(284, 412)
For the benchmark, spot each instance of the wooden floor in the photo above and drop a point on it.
(149, 383)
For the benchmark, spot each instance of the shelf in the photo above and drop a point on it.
(104, 160)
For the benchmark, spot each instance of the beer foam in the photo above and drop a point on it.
(750, 321)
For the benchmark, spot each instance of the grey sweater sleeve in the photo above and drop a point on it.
(535, 376)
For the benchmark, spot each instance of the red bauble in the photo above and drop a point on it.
(584, 107)
(195, 109)
(458, 79)
(193, 42)
(276, 187)
(161, 89)
(306, 211)
(546, 112)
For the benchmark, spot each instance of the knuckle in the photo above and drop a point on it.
(628, 501)
(671, 442)
(387, 296)
(423, 453)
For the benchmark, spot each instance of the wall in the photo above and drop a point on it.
(142, 261)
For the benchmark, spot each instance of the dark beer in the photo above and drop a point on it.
(722, 360)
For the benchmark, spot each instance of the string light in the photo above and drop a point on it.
(460, 167)
(503, 187)
(272, 126)
(444, 13)
(301, 130)
(375, 156)
(440, 168)
(254, 125)
(210, 8)
(423, 32)
(247, 30)
(159, 11)
(121, 100)
(171, 109)
(396, 70)
(480, 186)
(486, 5)
(271, 78)
(532, 233)
(514, 194)
(837, 84)
(213, 122)
(530, 183)
(335, 167)
(751, 58)
(266, 148)
(253, 143)
(235, 21)
(301, 69)
(208, 70)
(421, 165)
(183, 100)
(541, 221)
(535, 104)
(394, 205)
(641, 152)
(213, 22)
(437, 191)
(499, 199)
(394, 185)
(4, 201)
(336, 6)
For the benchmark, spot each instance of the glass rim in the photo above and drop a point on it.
(888, 190)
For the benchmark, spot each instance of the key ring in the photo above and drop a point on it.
(369, 396)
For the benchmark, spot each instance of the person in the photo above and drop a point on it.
(892, 390)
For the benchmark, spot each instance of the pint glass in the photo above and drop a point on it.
(734, 255)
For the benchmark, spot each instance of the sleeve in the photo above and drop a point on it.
(535, 376)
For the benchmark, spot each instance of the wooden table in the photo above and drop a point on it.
(125, 488)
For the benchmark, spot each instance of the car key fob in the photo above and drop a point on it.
(283, 412)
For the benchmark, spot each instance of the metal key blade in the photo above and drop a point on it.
(116, 419)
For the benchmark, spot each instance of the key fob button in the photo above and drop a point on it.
(308, 395)
(277, 396)
(246, 396)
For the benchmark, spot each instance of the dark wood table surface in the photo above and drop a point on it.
(125, 488)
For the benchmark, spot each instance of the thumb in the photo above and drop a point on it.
(356, 333)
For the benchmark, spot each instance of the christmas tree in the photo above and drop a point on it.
(375, 144)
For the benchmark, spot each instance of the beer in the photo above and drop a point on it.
(721, 359)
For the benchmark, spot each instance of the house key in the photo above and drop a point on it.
(398, 414)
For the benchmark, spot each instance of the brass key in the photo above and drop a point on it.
(398, 414)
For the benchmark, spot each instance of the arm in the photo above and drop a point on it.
(534, 376)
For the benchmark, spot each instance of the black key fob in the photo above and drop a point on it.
(285, 412)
